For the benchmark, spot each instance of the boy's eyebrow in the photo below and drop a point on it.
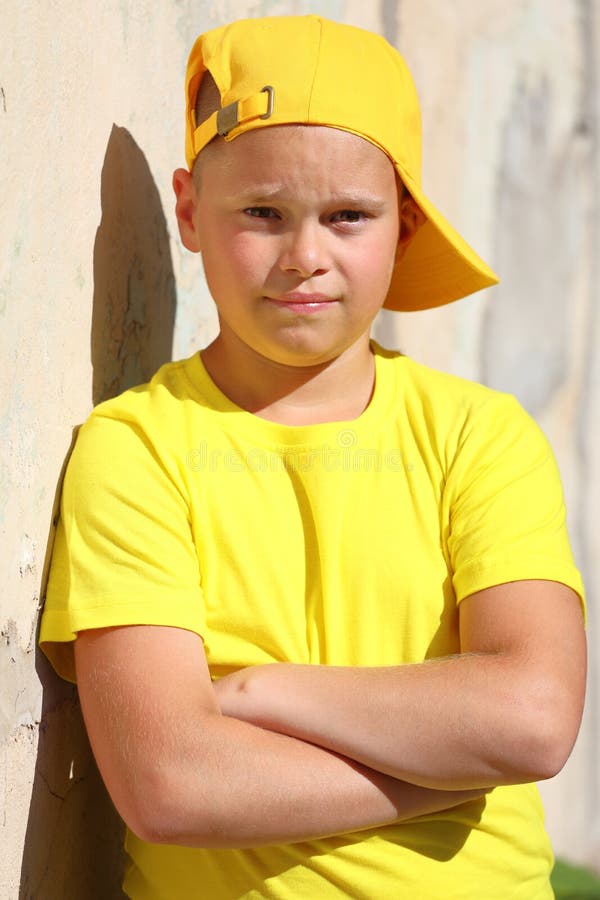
(350, 198)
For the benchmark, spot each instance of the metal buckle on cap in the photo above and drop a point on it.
(271, 93)
(228, 117)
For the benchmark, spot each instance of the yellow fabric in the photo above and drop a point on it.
(350, 543)
(302, 57)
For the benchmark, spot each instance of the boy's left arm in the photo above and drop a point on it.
(505, 710)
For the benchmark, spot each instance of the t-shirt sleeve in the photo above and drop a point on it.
(507, 512)
(124, 552)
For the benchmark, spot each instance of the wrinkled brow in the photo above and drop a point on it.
(348, 198)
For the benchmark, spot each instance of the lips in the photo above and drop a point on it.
(300, 303)
(298, 297)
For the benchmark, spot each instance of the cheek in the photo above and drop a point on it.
(375, 261)
(246, 257)
(231, 260)
(247, 251)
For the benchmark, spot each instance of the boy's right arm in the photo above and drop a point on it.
(180, 772)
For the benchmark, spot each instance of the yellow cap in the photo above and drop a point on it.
(308, 70)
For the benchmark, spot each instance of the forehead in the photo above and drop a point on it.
(301, 157)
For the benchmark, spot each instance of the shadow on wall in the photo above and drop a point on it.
(134, 288)
(74, 839)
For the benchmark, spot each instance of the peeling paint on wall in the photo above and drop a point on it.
(19, 698)
(74, 838)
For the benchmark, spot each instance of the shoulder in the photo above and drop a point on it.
(159, 411)
(167, 392)
(453, 410)
(433, 385)
(146, 428)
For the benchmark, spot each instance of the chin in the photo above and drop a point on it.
(301, 354)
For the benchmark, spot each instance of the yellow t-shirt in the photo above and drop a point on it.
(347, 543)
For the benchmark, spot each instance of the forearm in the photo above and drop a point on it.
(432, 724)
(181, 772)
(506, 710)
(242, 786)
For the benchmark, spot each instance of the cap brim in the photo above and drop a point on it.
(438, 266)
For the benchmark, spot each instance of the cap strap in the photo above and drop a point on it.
(257, 106)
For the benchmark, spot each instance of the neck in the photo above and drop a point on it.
(337, 390)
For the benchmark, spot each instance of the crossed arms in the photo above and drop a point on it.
(285, 752)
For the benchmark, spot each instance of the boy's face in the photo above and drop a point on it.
(298, 227)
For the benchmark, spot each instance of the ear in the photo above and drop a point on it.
(411, 219)
(186, 208)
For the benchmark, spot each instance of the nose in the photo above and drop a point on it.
(304, 251)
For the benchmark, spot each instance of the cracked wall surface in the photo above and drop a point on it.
(96, 292)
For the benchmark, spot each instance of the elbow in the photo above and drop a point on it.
(176, 794)
(553, 745)
(544, 732)
(560, 709)
(151, 810)
(545, 757)
(159, 809)
(155, 826)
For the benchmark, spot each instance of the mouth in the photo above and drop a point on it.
(298, 302)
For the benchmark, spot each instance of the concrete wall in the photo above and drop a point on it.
(95, 292)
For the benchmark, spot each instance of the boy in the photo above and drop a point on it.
(328, 627)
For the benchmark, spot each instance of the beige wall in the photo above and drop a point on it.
(91, 106)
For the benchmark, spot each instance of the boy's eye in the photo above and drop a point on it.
(349, 215)
(260, 212)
